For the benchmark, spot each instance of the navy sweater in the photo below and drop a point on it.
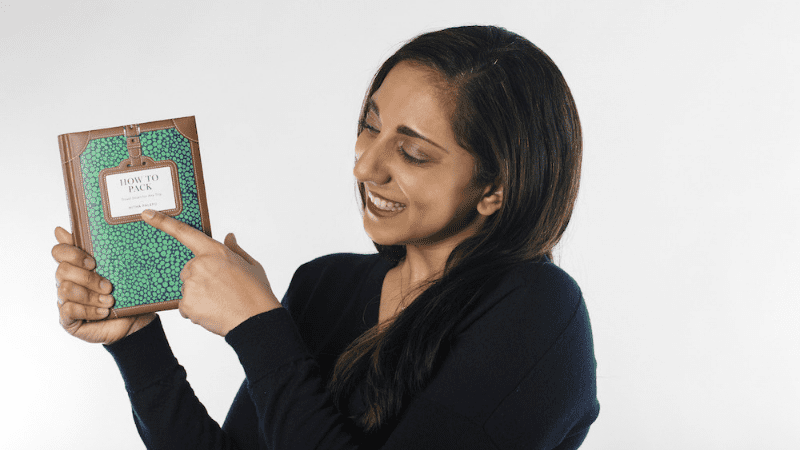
(519, 375)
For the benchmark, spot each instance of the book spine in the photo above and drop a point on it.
(67, 166)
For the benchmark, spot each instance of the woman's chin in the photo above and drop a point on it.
(381, 236)
(382, 240)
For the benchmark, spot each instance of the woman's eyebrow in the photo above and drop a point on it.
(402, 129)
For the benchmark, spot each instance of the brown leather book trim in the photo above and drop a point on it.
(69, 183)
(157, 125)
(63, 147)
(201, 188)
(79, 140)
(77, 144)
(76, 198)
(187, 127)
(116, 313)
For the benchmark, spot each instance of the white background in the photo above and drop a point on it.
(684, 241)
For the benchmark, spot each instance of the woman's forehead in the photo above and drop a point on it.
(410, 96)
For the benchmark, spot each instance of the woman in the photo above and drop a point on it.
(460, 333)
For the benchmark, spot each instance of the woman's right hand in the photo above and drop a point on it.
(84, 297)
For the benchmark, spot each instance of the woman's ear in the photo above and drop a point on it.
(491, 201)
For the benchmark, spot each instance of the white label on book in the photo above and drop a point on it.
(131, 193)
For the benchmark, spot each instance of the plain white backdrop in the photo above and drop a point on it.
(684, 240)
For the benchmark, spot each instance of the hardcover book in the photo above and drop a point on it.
(112, 175)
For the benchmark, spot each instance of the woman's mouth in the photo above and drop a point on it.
(384, 205)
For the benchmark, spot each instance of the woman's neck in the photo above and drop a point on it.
(426, 262)
(420, 266)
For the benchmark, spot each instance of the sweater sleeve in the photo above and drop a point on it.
(166, 411)
(294, 408)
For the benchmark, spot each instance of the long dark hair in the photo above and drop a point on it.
(515, 114)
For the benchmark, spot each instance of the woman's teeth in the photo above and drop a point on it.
(384, 204)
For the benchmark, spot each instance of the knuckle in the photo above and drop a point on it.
(68, 253)
(56, 252)
(186, 272)
(220, 249)
(99, 313)
(189, 266)
(181, 227)
(60, 252)
(201, 263)
(63, 290)
(93, 298)
(69, 312)
(85, 312)
(86, 277)
(76, 292)
(64, 320)
(79, 312)
(62, 270)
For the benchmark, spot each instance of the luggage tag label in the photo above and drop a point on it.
(127, 191)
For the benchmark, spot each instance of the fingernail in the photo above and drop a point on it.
(88, 263)
(105, 285)
(107, 300)
(233, 237)
(148, 213)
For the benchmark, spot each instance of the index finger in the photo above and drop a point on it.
(194, 239)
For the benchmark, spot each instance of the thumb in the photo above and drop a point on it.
(230, 242)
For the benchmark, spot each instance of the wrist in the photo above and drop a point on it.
(250, 313)
(141, 322)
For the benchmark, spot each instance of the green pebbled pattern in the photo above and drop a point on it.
(142, 263)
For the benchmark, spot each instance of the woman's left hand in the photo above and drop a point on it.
(222, 285)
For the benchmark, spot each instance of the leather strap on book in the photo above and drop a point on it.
(132, 133)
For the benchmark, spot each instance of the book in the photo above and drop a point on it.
(111, 175)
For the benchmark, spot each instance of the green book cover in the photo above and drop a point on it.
(111, 175)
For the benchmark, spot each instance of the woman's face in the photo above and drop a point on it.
(418, 181)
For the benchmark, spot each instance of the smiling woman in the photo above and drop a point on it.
(418, 180)
(459, 333)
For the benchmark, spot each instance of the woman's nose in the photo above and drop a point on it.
(371, 162)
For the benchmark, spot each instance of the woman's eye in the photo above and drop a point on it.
(413, 156)
(366, 126)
